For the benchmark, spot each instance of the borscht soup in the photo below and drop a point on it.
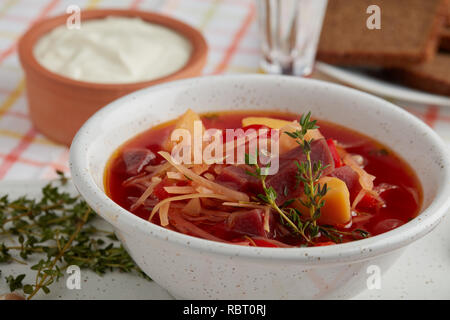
(264, 179)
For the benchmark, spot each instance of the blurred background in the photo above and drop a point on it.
(230, 28)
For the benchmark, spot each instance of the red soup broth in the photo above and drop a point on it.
(402, 197)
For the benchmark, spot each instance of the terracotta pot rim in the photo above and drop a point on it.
(196, 61)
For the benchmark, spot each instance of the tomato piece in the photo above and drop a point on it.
(159, 191)
(334, 153)
(368, 202)
(263, 243)
(323, 244)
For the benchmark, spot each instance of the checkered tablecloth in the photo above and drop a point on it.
(231, 32)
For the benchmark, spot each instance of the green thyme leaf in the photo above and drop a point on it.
(57, 231)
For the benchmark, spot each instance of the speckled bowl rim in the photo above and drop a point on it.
(196, 61)
(342, 253)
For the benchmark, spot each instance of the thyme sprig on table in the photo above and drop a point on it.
(59, 230)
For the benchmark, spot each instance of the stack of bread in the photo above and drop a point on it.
(412, 44)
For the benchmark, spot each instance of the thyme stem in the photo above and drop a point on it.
(312, 209)
(57, 228)
(61, 253)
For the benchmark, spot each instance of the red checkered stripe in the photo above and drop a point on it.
(230, 29)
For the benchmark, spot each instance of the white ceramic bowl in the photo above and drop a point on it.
(194, 268)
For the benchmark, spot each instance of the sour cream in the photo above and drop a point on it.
(113, 50)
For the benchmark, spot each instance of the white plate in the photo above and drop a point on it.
(420, 273)
(361, 80)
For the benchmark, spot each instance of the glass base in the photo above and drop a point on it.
(293, 69)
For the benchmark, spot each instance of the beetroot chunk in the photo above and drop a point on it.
(238, 179)
(250, 222)
(351, 179)
(285, 181)
(136, 159)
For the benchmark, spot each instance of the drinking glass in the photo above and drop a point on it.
(289, 32)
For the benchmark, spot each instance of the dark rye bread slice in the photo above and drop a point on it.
(445, 35)
(433, 76)
(445, 39)
(409, 32)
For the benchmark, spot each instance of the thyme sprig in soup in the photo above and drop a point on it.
(300, 182)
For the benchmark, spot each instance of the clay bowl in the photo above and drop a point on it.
(59, 105)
